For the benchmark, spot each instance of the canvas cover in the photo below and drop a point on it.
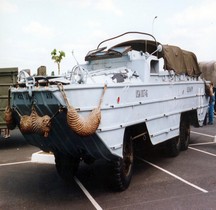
(208, 70)
(181, 61)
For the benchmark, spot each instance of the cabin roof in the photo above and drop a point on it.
(175, 58)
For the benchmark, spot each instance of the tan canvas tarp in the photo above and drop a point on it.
(181, 61)
(208, 70)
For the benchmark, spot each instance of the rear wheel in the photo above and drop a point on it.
(66, 166)
(184, 133)
(173, 146)
(122, 168)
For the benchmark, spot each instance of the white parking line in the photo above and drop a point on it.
(203, 134)
(175, 176)
(14, 163)
(42, 157)
(95, 204)
(208, 153)
(204, 143)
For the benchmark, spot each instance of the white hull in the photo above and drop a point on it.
(128, 105)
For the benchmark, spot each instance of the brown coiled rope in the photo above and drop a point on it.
(8, 115)
(35, 124)
(80, 125)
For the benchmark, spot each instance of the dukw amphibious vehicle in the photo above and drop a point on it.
(136, 90)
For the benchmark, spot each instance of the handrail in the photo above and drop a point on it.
(129, 32)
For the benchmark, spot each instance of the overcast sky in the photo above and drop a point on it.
(31, 29)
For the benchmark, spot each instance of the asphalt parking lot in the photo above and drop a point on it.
(187, 181)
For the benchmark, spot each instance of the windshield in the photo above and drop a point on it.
(113, 52)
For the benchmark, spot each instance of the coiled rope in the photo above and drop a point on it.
(34, 123)
(80, 125)
(8, 115)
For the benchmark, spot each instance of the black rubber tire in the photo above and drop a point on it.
(66, 166)
(184, 134)
(173, 146)
(122, 168)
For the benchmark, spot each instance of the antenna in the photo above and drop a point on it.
(81, 70)
(153, 24)
(74, 57)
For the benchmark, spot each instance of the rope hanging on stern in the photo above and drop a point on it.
(8, 114)
(80, 125)
(33, 123)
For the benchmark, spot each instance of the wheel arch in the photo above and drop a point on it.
(139, 130)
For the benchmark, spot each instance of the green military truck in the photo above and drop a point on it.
(8, 77)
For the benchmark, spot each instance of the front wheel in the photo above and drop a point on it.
(122, 168)
(66, 166)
